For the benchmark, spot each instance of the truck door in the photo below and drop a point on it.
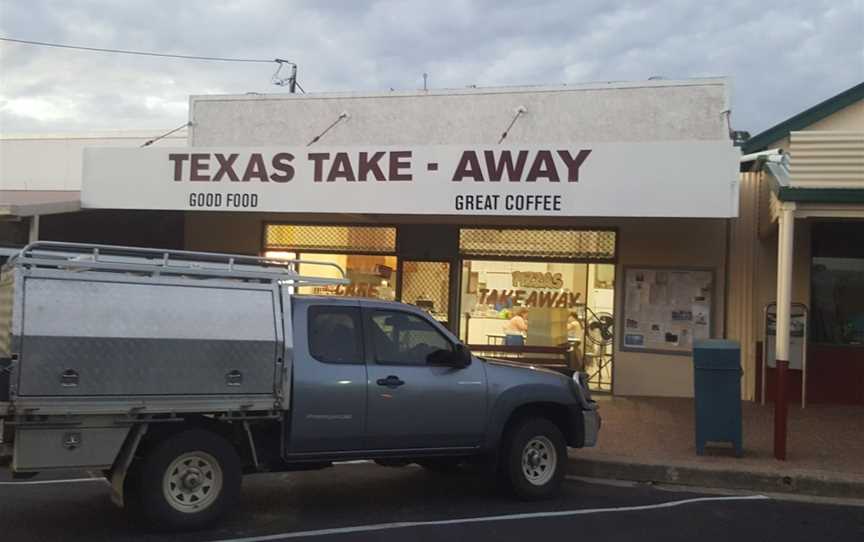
(328, 404)
(412, 402)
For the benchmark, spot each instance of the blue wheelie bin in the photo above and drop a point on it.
(717, 393)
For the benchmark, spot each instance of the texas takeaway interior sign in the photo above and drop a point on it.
(663, 179)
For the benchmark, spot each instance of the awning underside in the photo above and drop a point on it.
(22, 203)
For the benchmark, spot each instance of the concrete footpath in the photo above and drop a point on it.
(651, 440)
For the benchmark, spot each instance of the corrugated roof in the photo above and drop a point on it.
(804, 119)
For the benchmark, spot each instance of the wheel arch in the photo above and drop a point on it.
(506, 413)
(557, 413)
(145, 435)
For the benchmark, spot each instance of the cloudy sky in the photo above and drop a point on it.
(783, 56)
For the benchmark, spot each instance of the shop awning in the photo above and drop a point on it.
(21, 203)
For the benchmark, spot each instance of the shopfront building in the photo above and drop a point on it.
(599, 216)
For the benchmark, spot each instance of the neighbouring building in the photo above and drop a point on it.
(807, 171)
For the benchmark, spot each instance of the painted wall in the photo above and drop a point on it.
(850, 118)
(53, 161)
(681, 243)
(654, 111)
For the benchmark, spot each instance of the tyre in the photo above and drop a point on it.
(187, 481)
(533, 457)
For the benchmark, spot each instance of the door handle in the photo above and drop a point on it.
(69, 378)
(391, 381)
(233, 378)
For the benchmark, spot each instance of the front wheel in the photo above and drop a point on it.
(185, 482)
(533, 457)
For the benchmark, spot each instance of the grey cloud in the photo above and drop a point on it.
(782, 56)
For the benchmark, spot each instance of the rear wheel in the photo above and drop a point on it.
(187, 481)
(533, 457)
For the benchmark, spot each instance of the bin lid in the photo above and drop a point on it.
(716, 344)
(717, 354)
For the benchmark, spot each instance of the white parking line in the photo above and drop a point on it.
(510, 517)
(41, 482)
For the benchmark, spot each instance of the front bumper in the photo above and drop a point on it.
(584, 426)
(591, 422)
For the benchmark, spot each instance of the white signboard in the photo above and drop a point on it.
(663, 179)
(666, 309)
(797, 338)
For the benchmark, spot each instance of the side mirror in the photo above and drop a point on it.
(461, 356)
(458, 358)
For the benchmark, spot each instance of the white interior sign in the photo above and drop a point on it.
(662, 179)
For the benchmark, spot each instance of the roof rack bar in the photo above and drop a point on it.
(166, 261)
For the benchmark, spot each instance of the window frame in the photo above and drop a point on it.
(359, 331)
(372, 350)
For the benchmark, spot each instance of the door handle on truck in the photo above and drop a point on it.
(234, 378)
(69, 378)
(391, 381)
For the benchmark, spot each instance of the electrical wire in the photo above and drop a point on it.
(139, 53)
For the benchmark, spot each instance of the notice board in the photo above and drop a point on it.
(666, 308)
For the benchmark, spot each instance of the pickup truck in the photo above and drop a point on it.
(174, 373)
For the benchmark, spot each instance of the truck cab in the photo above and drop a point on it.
(389, 366)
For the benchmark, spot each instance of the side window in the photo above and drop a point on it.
(334, 334)
(402, 338)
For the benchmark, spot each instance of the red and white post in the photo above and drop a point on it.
(785, 250)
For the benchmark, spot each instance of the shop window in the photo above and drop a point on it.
(427, 285)
(837, 283)
(371, 275)
(568, 306)
(587, 245)
(359, 250)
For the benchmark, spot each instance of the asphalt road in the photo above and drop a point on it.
(350, 503)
